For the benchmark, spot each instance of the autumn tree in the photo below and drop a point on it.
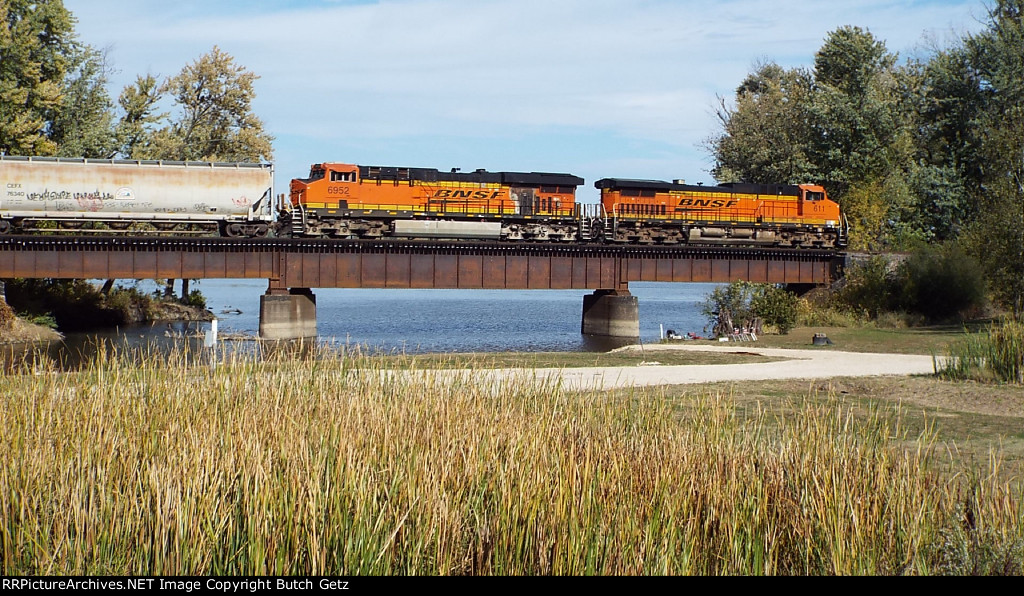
(212, 117)
(847, 124)
(139, 119)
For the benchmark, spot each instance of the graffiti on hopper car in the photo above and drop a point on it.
(67, 195)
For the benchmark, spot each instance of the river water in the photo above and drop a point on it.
(419, 321)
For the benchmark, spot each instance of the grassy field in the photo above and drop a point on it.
(335, 464)
(919, 340)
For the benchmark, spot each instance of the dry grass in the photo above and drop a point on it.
(334, 465)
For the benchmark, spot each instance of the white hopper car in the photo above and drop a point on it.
(130, 196)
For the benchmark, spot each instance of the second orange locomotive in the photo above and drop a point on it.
(350, 201)
(653, 211)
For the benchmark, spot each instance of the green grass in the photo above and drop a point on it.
(917, 340)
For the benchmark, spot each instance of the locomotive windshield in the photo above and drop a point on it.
(815, 196)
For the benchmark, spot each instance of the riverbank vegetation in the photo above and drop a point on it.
(334, 464)
(927, 150)
(75, 304)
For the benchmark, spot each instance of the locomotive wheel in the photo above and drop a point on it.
(5, 226)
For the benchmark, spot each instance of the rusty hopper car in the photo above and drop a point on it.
(351, 201)
(654, 211)
(129, 196)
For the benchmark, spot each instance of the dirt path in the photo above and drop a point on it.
(802, 364)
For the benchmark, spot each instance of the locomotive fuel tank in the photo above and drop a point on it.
(236, 197)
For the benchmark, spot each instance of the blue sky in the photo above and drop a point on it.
(596, 88)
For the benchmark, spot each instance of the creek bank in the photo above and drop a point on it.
(21, 331)
(79, 306)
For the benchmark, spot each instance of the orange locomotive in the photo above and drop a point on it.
(653, 211)
(349, 201)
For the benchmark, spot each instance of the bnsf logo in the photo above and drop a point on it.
(467, 194)
(716, 203)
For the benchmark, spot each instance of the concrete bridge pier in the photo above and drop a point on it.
(287, 313)
(611, 313)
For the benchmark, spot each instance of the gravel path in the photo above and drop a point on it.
(803, 364)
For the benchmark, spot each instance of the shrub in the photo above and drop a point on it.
(72, 304)
(776, 306)
(728, 307)
(196, 299)
(747, 305)
(940, 282)
(868, 288)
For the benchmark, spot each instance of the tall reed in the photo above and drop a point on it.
(328, 463)
(993, 355)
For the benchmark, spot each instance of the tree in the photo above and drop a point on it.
(764, 137)
(135, 130)
(847, 125)
(997, 55)
(854, 114)
(36, 38)
(213, 121)
(728, 308)
(83, 124)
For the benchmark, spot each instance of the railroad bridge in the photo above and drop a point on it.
(293, 267)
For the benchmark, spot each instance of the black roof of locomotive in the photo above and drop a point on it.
(727, 187)
(477, 176)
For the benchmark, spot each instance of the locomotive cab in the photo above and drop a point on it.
(328, 183)
(817, 207)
